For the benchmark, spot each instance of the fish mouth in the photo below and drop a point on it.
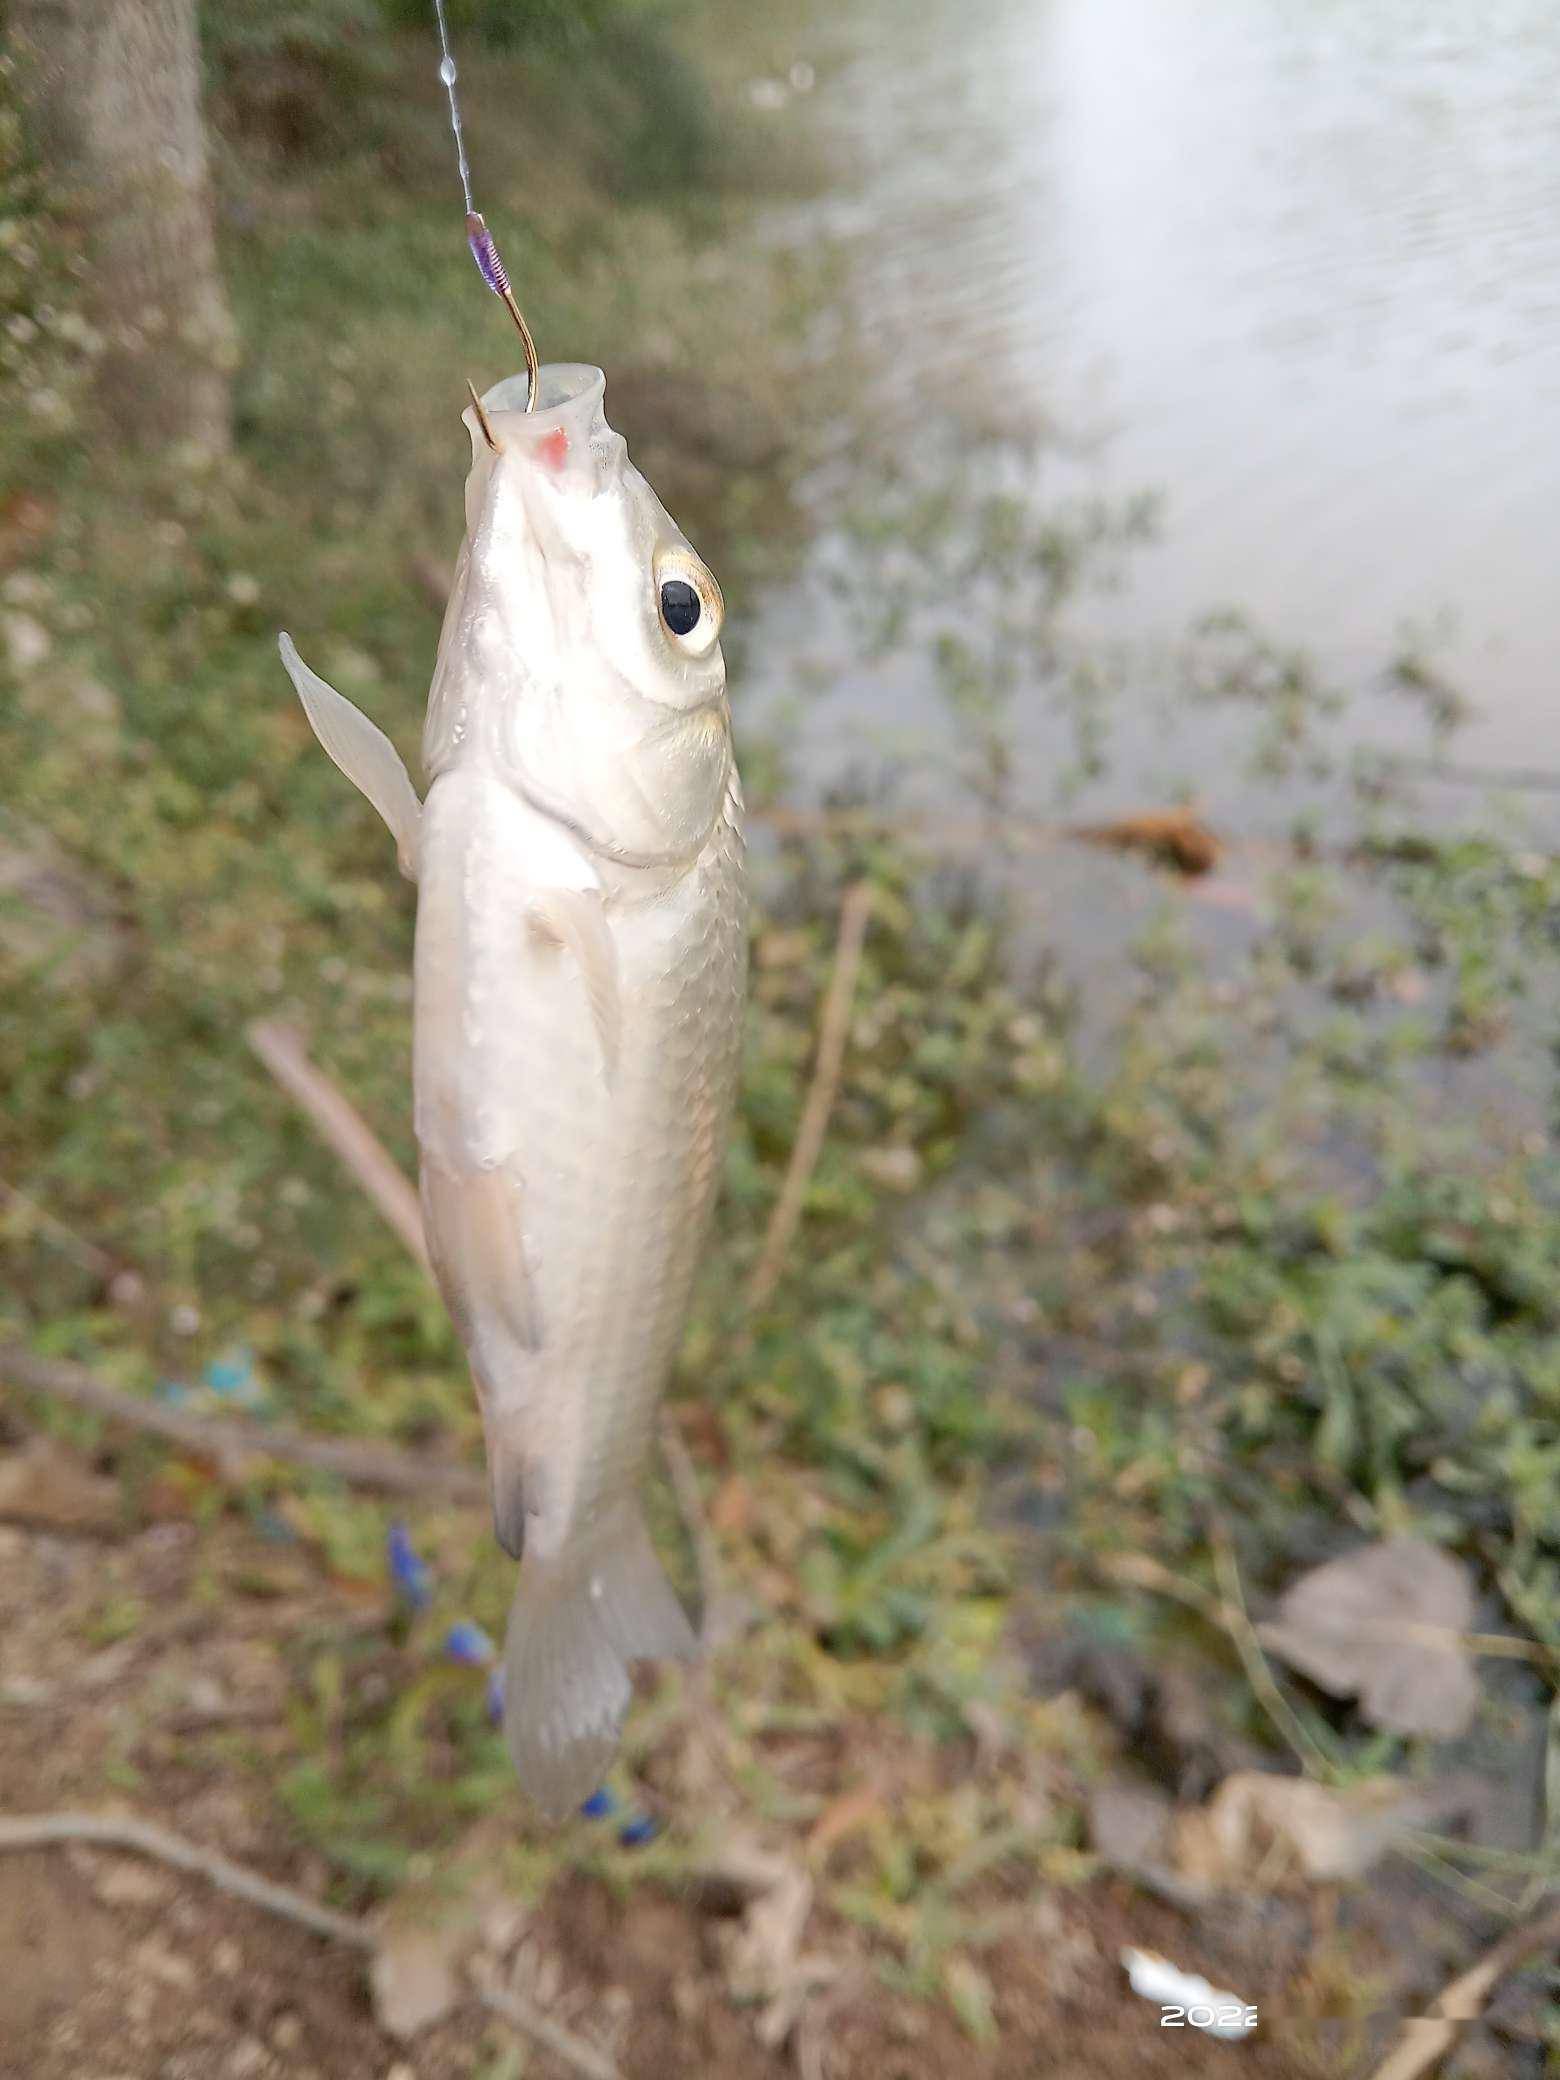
(565, 390)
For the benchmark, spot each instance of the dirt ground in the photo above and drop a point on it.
(117, 1968)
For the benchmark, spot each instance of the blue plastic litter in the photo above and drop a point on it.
(406, 1570)
(468, 1643)
(599, 1806)
(233, 1377)
(638, 1831)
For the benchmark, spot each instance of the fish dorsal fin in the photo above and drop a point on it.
(362, 751)
(577, 918)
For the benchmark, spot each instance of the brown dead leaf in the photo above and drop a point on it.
(1265, 1832)
(1385, 1624)
(426, 1931)
(1169, 837)
(414, 1979)
(842, 1816)
(46, 1485)
(763, 1953)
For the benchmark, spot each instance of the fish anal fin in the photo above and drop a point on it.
(577, 919)
(362, 751)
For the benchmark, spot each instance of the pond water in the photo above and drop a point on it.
(1295, 268)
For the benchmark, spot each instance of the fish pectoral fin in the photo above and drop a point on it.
(362, 751)
(577, 918)
(477, 1243)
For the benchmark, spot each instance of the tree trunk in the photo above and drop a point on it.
(114, 93)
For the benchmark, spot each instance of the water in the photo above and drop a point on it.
(1297, 268)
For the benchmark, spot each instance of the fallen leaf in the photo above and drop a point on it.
(46, 1485)
(1384, 1624)
(763, 1954)
(426, 1932)
(1264, 1831)
(413, 1978)
(1169, 837)
(842, 1816)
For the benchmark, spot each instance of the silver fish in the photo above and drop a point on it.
(580, 976)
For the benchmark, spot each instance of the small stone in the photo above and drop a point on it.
(26, 1691)
(127, 1883)
(895, 1169)
(106, 1666)
(287, 2033)
(159, 1963)
(227, 1957)
(401, 2071)
(204, 1694)
(248, 2057)
(27, 641)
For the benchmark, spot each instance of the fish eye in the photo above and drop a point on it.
(689, 602)
(680, 606)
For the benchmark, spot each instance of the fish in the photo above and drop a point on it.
(578, 1003)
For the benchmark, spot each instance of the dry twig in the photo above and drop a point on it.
(580, 2057)
(833, 1027)
(1424, 2040)
(340, 1124)
(86, 1254)
(119, 1831)
(380, 1468)
(1243, 1638)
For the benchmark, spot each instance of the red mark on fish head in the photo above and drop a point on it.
(553, 447)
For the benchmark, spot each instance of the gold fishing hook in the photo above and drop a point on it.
(482, 418)
(533, 370)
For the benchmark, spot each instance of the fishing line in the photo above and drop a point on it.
(484, 250)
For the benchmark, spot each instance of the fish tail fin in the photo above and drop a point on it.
(575, 1625)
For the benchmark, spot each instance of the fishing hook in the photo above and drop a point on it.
(482, 418)
(483, 248)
